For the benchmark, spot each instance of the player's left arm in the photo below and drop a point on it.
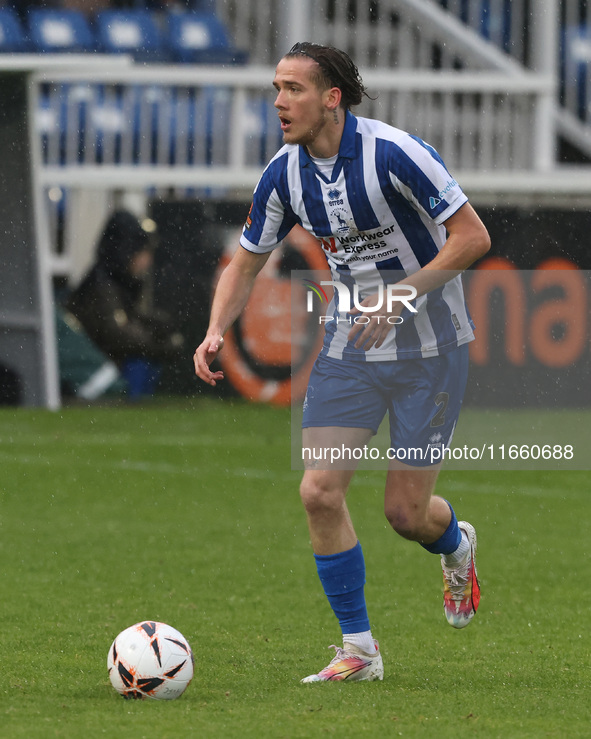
(467, 241)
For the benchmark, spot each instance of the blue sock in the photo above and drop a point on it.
(450, 539)
(343, 576)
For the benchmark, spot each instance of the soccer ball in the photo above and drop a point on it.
(150, 660)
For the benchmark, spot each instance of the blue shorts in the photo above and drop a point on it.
(423, 398)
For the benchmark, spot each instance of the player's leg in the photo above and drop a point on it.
(338, 554)
(421, 423)
(338, 394)
(416, 514)
(410, 506)
(325, 483)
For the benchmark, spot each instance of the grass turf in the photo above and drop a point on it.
(190, 515)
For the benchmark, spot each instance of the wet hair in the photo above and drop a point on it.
(335, 69)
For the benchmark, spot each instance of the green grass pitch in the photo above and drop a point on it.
(189, 514)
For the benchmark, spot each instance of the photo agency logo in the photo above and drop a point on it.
(385, 298)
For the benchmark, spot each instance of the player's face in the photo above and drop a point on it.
(301, 104)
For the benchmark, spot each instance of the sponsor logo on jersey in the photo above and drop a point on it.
(354, 243)
(328, 243)
(335, 197)
(434, 202)
(442, 193)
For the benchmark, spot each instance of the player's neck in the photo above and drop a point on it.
(328, 141)
(324, 149)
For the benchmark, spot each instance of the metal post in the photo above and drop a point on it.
(296, 16)
(50, 386)
(237, 156)
(544, 34)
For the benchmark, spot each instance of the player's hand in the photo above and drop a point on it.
(375, 326)
(204, 355)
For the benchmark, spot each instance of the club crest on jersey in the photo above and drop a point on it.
(339, 215)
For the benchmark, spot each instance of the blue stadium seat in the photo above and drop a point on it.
(57, 31)
(12, 35)
(130, 32)
(201, 38)
(575, 61)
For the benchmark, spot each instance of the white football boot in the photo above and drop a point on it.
(461, 589)
(350, 663)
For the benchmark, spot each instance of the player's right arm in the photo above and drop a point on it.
(231, 295)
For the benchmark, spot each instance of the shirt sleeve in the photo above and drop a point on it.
(270, 218)
(422, 177)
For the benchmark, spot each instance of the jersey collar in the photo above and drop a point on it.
(347, 148)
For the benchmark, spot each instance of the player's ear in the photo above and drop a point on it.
(333, 98)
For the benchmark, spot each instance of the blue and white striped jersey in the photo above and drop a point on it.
(378, 218)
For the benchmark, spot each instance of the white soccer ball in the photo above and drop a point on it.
(150, 660)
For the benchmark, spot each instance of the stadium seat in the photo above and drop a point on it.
(12, 35)
(57, 31)
(201, 38)
(130, 32)
(575, 61)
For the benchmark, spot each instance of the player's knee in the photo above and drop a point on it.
(320, 495)
(406, 521)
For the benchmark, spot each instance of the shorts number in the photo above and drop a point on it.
(441, 401)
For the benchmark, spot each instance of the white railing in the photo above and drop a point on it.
(199, 131)
(537, 35)
(193, 124)
(381, 33)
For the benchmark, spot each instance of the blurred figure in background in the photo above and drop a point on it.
(109, 305)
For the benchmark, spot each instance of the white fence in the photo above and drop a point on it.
(385, 33)
(198, 131)
(550, 36)
(201, 121)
